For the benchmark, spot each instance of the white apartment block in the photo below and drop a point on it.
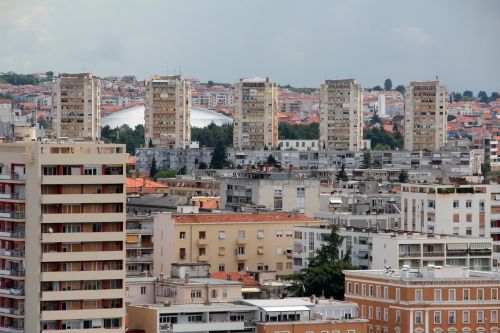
(299, 145)
(77, 106)
(426, 115)
(447, 209)
(372, 249)
(62, 235)
(279, 192)
(168, 112)
(255, 117)
(341, 115)
(495, 223)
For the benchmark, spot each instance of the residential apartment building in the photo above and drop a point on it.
(168, 112)
(341, 115)
(229, 242)
(77, 106)
(139, 245)
(495, 223)
(62, 237)
(272, 191)
(255, 117)
(447, 209)
(426, 112)
(399, 249)
(300, 145)
(432, 299)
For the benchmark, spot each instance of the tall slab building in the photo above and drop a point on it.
(62, 237)
(255, 114)
(426, 116)
(168, 112)
(341, 121)
(77, 102)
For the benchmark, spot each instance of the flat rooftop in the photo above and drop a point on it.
(190, 308)
(437, 273)
(241, 218)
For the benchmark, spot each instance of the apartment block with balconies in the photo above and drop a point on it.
(62, 237)
(168, 112)
(77, 103)
(426, 112)
(255, 117)
(139, 245)
(341, 111)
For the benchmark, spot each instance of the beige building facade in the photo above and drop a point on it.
(255, 114)
(341, 115)
(77, 104)
(426, 116)
(168, 112)
(228, 242)
(62, 237)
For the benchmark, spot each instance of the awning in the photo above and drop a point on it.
(285, 308)
(132, 239)
(335, 201)
(480, 246)
(250, 290)
(461, 246)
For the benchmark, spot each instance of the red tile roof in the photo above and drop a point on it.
(241, 218)
(142, 185)
(245, 278)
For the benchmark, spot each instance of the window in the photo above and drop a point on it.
(418, 295)
(398, 316)
(143, 290)
(222, 268)
(182, 235)
(289, 233)
(214, 293)
(451, 295)
(195, 318)
(279, 266)
(363, 289)
(241, 234)
(437, 295)
(480, 294)
(279, 233)
(455, 204)
(480, 316)
(494, 293)
(468, 217)
(260, 234)
(494, 316)
(279, 250)
(378, 313)
(370, 291)
(456, 218)
(195, 293)
(378, 295)
(370, 312)
(418, 317)
(465, 317)
(363, 311)
(182, 253)
(437, 317)
(468, 204)
(451, 317)
(481, 206)
(356, 289)
(386, 314)
(222, 235)
(349, 287)
(240, 250)
(386, 292)
(202, 251)
(466, 295)
(468, 231)
(202, 235)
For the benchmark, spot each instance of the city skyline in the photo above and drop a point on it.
(279, 40)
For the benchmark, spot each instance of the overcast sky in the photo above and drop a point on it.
(295, 42)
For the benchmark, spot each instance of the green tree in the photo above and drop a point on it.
(323, 276)
(210, 135)
(468, 94)
(375, 119)
(483, 97)
(401, 89)
(182, 170)
(165, 173)
(451, 117)
(377, 88)
(219, 156)
(152, 170)
(403, 176)
(150, 143)
(367, 162)
(388, 84)
(456, 96)
(485, 169)
(342, 175)
(210, 83)
(494, 96)
(132, 138)
(202, 166)
(298, 131)
(271, 160)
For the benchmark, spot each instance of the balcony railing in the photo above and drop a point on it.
(456, 253)
(434, 254)
(12, 215)
(13, 176)
(409, 254)
(12, 196)
(11, 291)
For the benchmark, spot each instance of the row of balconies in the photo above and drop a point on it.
(19, 234)
(11, 291)
(16, 215)
(12, 272)
(12, 196)
(460, 253)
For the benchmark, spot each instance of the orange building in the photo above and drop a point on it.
(433, 299)
(315, 326)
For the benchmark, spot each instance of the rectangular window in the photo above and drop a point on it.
(455, 204)
(386, 314)
(222, 268)
(494, 293)
(437, 295)
(468, 204)
(370, 291)
(182, 235)
(241, 234)
(260, 234)
(466, 294)
(195, 293)
(494, 316)
(378, 295)
(370, 312)
(356, 289)
(451, 295)
(202, 235)
(480, 316)
(386, 292)
(418, 317)
(480, 294)
(437, 317)
(468, 217)
(222, 235)
(465, 317)
(398, 316)
(378, 313)
(452, 317)
(143, 290)
(418, 295)
(349, 287)
(363, 289)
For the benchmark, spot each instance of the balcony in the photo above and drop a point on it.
(83, 179)
(202, 258)
(434, 254)
(12, 311)
(143, 258)
(11, 329)
(9, 272)
(12, 215)
(12, 196)
(12, 253)
(82, 198)
(456, 253)
(11, 291)
(82, 256)
(203, 327)
(82, 275)
(77, 237)
(83, 217)
(83, 314)
(82, 294)
(410, 254)
(12, 177)
(202, 241)
(241, 257)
